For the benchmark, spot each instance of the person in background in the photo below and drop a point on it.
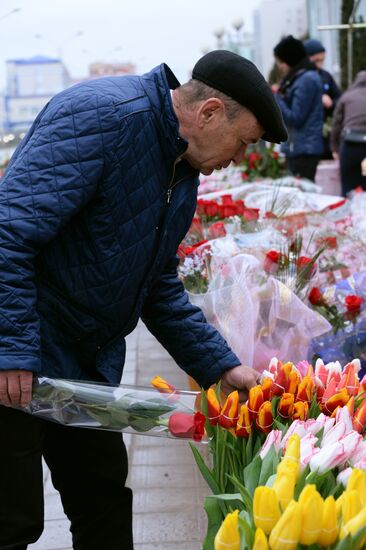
(299, 97)
(348, 135)
(331, 91)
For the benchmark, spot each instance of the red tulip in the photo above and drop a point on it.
(243, 426)
(213, 407)
(359, 418)
(255, 400)
(301, 410)
(305, 389)
(286, 405)
(187, 426)
(339, 399)
(281, 379)
(265, 417)
(267, 388)
(293, 382)
(229, 412)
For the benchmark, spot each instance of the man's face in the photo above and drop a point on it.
(282, 67)
(318, 59)
(215, 141)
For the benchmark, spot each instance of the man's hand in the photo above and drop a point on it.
(239, 378)
(335, 155)
(15, 387)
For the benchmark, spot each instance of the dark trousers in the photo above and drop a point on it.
(350, 158)
(88, 468)
(303, 166)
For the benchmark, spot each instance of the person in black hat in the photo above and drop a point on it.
(331, 91)
(300, 99)
(93, 206)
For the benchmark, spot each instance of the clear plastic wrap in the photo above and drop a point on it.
(258, 315)
(130, 409)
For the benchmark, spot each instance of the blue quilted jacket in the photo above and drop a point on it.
(93, 206)
(302, 111)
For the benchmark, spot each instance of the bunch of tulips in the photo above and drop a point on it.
(288, 512)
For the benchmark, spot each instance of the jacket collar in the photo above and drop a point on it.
(157, 84)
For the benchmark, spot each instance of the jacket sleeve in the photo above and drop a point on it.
(304, 94)
(182, 329)
(337, 126)
(52, 175)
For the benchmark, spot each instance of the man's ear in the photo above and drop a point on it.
(210, 111)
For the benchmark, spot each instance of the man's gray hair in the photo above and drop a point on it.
(194, 91)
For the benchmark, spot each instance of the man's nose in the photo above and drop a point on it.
(239, 155)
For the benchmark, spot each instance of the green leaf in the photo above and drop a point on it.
(249, 449)
(227, 497)
(345, 544)
(270, 481)
(246, 532)
(142, 424)
(215, 517)
(204, 409)
(359, 536)
(205, 471)
(252, 473)
(105, 419)
(269, 465)
(150, 408)
(301, 482)
(245, 495)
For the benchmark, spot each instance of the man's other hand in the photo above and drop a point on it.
(239, 378)
(15, 387)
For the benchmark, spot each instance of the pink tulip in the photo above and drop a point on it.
(359, 454)
(313, 426)
(344, 416)
(308, 449)
(325, 422)
(328, 457)
(273, 438)
(334, 434)
(361, 464)
(296, 427)
(321, 372)
(303, 368)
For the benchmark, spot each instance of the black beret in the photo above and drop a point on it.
(240, 79)
(290, 50)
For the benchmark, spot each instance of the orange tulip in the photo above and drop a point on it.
(293, 382)
(281, 379)
(359, 418)
(351, 406)
(267, 388)
(255, 400)
(340, 399)
(213, 407)
(305, 389)
(244, 425)
(229, 412)
(265, 417)
(164, 387)
(286, 405)
(301, 410)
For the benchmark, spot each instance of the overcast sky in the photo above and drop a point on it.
(145, 32)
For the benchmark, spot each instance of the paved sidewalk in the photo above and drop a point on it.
(168, 489)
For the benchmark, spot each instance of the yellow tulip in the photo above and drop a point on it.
(266, 510)
(291, 459)
(351, 505)
(228, 537)
(284, 486)
(353, 526)
(260, 540)
(286, 533)
(339, 503)
(329, 532)
(312, 514)
(357, 480)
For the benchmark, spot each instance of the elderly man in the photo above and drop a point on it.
(93, 206)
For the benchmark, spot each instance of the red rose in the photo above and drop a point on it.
(187, 426)
(229, 210)
(217, 230)
(250, 214)
(353, 302)
(227, 199)
(271, 261)
(244, 176)
(239, 207)
(303, 262)
(212, 209)
(275, 155)
(315, 297)
(329, 242)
